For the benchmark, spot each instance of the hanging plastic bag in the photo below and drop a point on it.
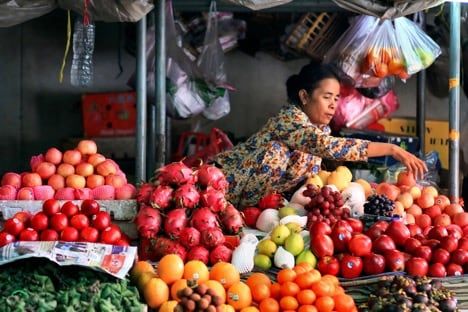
(386, 85)
(82, 68)
(211, 64)
(260, 4)
(418, 49)
(110, 10)
(348, 52)
(13, 12)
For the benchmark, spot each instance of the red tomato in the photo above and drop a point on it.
(69, 209)
(101, 220)
(58, 222)
(69, 234)
(6, 238)
(51, 207)
(23, 216)
(40, 221)
(122, 242)
(89, 234)
(110, 235)
(360, 245)
(79, 221)
(13, 226)
(28, 234)
(89, 207)
(49, 235)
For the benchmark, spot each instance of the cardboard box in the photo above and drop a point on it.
(409, 143)
(109, 114)
(436, 136)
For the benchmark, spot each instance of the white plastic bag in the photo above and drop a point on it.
(211, 64)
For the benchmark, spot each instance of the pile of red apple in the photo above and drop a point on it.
(68, 222)
(344, 250)
(185, 212)
(80, 173)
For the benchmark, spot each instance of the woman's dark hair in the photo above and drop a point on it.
(309, 78)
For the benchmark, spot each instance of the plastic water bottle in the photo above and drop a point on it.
(82, 69)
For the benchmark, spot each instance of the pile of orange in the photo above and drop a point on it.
(384, 61)
(301, 289)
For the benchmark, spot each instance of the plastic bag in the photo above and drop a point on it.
(356, 111)
(418, 49)
(260, 4)
(110, 10)
(385, 86)
(211, 64)
(350, 49)
(13, 12)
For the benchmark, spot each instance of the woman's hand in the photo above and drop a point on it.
(412, 163)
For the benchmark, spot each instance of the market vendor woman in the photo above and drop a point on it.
(292, 144)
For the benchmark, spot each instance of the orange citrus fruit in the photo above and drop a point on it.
(170, 268)
(269, 305)
(176, 286)
(217, 288)
(258, 278)
(239, 296)
(196, 270)
(306, 296)
(156, 292)
(286, 275)
(260, 292)
(225, 273)
(325, 304)
(289, 303)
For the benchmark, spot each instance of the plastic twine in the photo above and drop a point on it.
(67, 47)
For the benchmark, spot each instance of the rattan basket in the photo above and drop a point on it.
(315, 33)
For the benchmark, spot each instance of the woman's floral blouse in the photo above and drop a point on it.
(281, 155)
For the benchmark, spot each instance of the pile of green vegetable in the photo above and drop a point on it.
(40, 285)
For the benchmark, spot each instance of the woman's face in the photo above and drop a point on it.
(320, 105)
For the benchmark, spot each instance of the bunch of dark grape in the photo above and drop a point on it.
(325, 205)
(405, 294)
(380, 205)
(200, 298)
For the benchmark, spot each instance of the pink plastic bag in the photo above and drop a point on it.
(356, 111)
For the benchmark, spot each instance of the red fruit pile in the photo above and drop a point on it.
(80, 173)
(69, 223)
(325, 205)
(186, 212)
(344, 250)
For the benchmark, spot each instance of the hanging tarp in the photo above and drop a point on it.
(110, 10)
(387, 8)
(13, 12)
(260, 4)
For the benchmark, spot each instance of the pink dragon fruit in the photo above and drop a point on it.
(186, 196)
(220, 253)
(35, 161)
(43, 192)
(212, 237)
(232, 220)
(148, 221)
(84, 193)
(161, 197)
(203, 219)
(7, 192)
(213, 199)
(176, 221)
(161, 246)
(66, 193)
(198, 253)
(189, 237)
(127, 191)
(144, 193)
(176, 173)
(209, 175)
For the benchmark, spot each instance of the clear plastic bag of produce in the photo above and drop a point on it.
(350, 49)
(211, 64)
(418, 49)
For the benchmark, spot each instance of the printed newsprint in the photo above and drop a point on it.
(114, 260)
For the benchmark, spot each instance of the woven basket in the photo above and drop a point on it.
(315, 33)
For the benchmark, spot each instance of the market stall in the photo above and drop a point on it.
(338, 243)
